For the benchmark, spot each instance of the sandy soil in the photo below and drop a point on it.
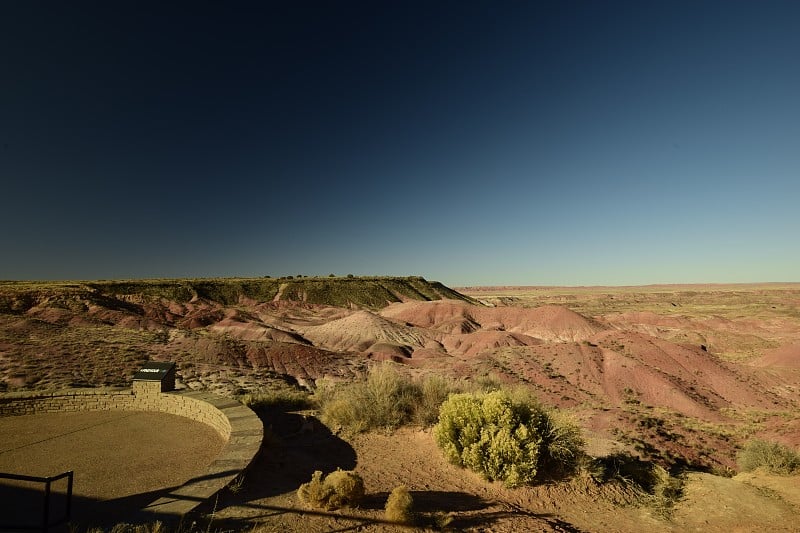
(444, 494)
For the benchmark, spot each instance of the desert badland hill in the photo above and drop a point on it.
(681, 376)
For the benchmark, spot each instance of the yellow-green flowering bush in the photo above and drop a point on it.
(505, 439)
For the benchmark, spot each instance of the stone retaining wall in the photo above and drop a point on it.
(188, 405)
(237, 425)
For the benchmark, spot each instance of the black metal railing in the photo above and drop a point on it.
(46, 522)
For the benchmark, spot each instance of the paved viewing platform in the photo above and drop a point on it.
(137, 454)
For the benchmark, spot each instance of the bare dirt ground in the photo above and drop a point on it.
(450, 498)
(681, 376)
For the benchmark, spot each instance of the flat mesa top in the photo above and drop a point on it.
(153, 371)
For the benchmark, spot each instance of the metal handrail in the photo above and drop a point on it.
(46, 523)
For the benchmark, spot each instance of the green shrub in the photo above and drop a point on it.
(399, 506)
(338, 489)
(774, 457)
(505, 439)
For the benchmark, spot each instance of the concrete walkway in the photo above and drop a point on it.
(122, 460)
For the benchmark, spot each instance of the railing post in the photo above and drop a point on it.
(69, 495)
(45, 525)
(46, 515)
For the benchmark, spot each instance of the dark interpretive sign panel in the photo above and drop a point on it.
(154, 371)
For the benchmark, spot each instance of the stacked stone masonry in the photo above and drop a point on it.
(237, 425)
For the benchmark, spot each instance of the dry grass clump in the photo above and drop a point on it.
(153, 527)
(561, 452)
(283, 399)
(773, 457)
(433, 391)
(503, 437)
(342, 488)
(658, 488)
(399, 506)
(666, 491)
(386, 399)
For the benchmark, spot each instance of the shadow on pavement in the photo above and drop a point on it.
(294, 447)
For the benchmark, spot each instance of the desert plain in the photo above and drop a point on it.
(676, 376)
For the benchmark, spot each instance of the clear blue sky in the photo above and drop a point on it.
(568, 143)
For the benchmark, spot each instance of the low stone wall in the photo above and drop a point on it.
(189, 405)
(237, 425)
